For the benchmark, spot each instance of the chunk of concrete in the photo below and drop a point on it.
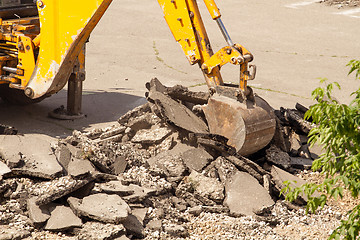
(185, 191)
(140, 193)
(134, 226)
(278, 157)
(195, 210)
(115, 187)
(151, 136)
(101, 207)
(78, 167)
(216, 209)
(4, 169)
(63, 155)
(170, 162)
(207, 187)
(295, 143)
(301, 163)
(40, 163)
(134, 113)
(316, 150)
(279, 176)
(140, 213)
(196, 158)
(119, 165)
(144, 121)
(37, 214)
(115, 131)
(59, 188)
(154, 225)
(15, 162)
(221, 168)
(177, 114)
(83, 191)
(244, 195)
(62, 218)
(178, 231)
(75, 151)
(100, 231)
(179, 203)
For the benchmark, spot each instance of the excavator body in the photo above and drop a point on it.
(42, 47)
(40, 44)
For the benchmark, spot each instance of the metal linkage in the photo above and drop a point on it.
(74, 95)
(224, 32)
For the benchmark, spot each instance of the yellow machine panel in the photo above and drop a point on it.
(64, 30)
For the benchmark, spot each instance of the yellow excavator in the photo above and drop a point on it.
(42, 47)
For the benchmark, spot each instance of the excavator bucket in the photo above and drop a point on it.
(249, 125)
(65, 26)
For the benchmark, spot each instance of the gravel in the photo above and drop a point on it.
(342, 3)
(176, 207)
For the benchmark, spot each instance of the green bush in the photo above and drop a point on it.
(338, 132)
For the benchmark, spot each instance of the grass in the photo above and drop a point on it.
(305, 54)
(264, 89)
(197, 85)
(157, 53)
(281, 92)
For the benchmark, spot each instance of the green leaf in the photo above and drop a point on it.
(338, 131)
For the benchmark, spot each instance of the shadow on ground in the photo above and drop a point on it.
(100, 108)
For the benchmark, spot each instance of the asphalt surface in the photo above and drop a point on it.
(294, 43)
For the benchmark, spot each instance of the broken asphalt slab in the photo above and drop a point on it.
(101, 207)
(206, 187)
(245, 196)
(100, 231)
(60, 187)
(196, 158)
(151, 136)
(62, 218)
(37, 214)
(40, 163)
(140, 193)
(134, 226)
(280, 176)
(78, 167)
(170, 162)
(176, 113)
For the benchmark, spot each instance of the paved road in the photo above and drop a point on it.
(294, 44)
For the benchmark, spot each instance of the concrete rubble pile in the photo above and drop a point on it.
(144, 176)
(342, 3)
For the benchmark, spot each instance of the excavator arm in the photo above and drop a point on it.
(185, 22)
(233, 111)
